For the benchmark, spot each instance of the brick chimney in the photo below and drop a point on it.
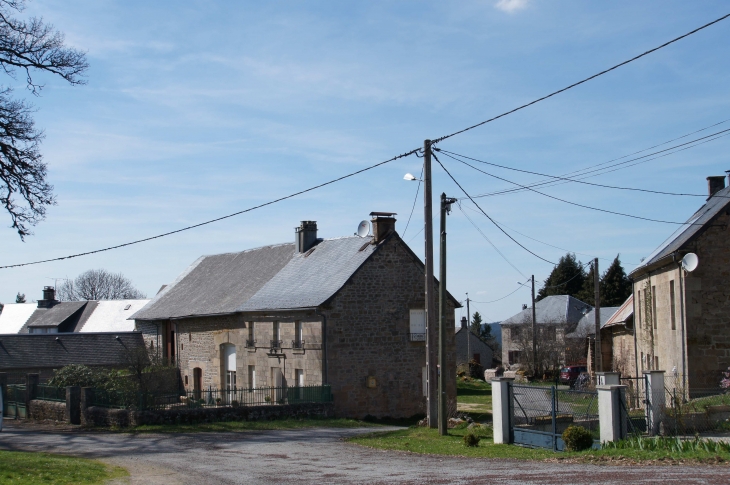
(714, 184)
(49, 297)
(383, 224)
(305, 236)
(463, 322)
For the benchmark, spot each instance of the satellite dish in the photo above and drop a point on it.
(690, 262)
(363, 229)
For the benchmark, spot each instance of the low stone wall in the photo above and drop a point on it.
(106, 417)
(47, 410)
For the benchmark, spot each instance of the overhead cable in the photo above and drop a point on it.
(414, 201)
(487, 215)
(583, 81)
(218, 218)
(500, 299)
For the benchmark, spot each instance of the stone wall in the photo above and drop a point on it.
(707, 311)
(47, 410)
(120, 418)
(374, 368)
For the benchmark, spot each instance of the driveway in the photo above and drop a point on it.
(317, 456)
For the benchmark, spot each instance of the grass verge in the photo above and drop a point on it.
(224, 426)
(427, 441)
(26, 468)
(474, 397)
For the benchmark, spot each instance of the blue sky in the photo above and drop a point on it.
(195, 109)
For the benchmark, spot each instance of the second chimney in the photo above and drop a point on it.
(463, 322)
(49, 297)
(383, 225)
(715, 183)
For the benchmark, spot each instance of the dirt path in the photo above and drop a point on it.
(318, 456)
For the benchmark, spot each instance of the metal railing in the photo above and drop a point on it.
(211, 398)
(250, 344)
(275, 345)
(418, 337)
(297, 344)
(45, 392)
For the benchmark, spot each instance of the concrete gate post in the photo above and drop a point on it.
(607, 379)
(502, 409)
(612, 419)
(657, 400)
(73, 405)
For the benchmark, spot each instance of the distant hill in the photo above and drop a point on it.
(496, 330)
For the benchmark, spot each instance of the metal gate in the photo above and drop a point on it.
(540, 414)
(14, 401)
(637, 403)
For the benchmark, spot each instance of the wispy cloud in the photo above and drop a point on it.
(511, 5)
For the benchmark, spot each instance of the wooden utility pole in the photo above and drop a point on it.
(468, 337)
(445, 207)
(597, 306)
(534, 331)
(430, 307)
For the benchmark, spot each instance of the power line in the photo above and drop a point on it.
(619, 166)
(403, 155)
(568, 281)
(487, 215)
(576, 180)
(500, 299)
(583, 81)
(414, 202)
(490, 242)
(570, 202)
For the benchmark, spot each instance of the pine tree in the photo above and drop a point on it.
(489, 338)
(476, 324)
(20, 298)
(615, 285)
(567, 278)
(587, 294)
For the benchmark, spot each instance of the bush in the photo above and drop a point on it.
(83, 376)
(470, 439)
(577, 438)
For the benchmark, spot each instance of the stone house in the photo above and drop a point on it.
(683, 318)
(346, 312)
(618, 343)
(473, 349)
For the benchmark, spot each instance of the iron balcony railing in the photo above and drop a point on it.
(250, 344)
(418, 337)
(297, 344)
(211, 398)
(275, 345)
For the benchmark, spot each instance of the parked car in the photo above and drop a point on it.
(570, 373)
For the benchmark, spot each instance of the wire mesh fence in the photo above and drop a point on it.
(690, 410)
(45, 392)
(210, 398)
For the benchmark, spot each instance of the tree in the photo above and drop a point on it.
(29, 46)
(587, 294)
(20, 298)
(489, 338)
(99, 284)
(615, 285)
(476, 324)
(566, 278)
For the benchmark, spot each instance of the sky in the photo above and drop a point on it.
(194, 110)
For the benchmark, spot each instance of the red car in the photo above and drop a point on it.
(569, 374)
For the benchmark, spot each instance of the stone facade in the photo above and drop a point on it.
(701, 300)
(370, 362)
(47, 410)
(476, 346)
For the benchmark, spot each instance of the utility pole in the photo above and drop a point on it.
(534, 331)
(445, 207)
(597, 297)
(468, 337)
(430, 307)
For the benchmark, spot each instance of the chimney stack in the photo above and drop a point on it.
(49, 297)
(383, 225)
(463, 322)
(305, 236)
(714, 184)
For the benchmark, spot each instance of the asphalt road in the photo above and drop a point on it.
(318, 456)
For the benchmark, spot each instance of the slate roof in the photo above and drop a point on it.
(556, 309)
(112, 316)
(57, 350)
(587, 325)
(14, 316)
(56, 315)
(691, 228)
(625, 311)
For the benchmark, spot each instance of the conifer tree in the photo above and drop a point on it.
(566, 278)
(615, 285)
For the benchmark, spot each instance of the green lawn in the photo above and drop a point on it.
(23, 468)
(251, 425)
(474, 397)
(427, 441)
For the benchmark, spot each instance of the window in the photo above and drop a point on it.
(252, 377)
(656, 362)
(197, 382)
(418, 325)
(671, 305)
(298, 342)
(513, 356)
(299, 377)
(638, 311)
(548, 333)
(229, 362)
(251, 341)
(251, 330)
(642, 361)
(277, 331)
(515, 333)
(653, 305)
(186, 380)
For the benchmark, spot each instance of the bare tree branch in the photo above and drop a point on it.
(99, 284)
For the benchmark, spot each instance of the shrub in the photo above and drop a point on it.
(577, 438)
(470, 439)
